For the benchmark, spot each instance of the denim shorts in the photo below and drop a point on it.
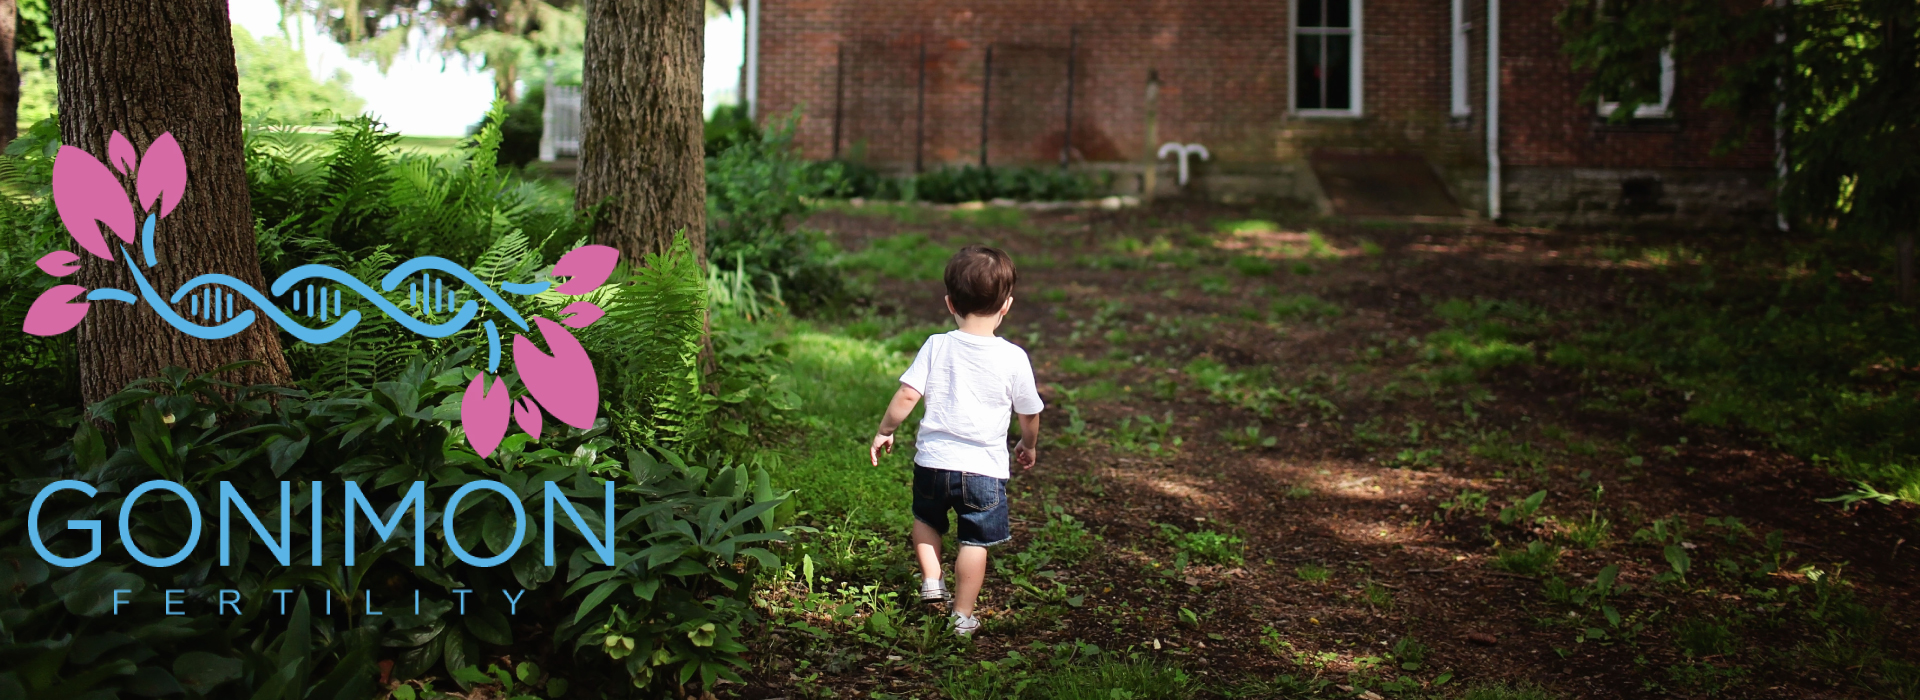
(981, 502)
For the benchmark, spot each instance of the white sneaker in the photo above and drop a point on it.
(965, 625)
(933, 592)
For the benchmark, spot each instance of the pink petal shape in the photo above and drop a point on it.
(163, 175)
(483, 413)
(588, 265)
(59, 263)
(86, 194)
(526, 414)
(581, 314)
(564, 382)
(120, 153)
(54, 312)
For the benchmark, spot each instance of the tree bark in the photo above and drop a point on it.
(642, 155)
(145, 68)
(9, 73)
(1904, 246)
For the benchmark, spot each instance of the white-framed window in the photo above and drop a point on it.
(1326, 53)
(1461, 107)
(1650, 110)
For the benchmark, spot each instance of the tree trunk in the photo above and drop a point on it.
(1904, 243)
(9, 73)
(144, 68)
(642, 153)
(504, 78)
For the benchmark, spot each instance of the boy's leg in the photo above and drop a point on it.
(926, 549)
(969, 571)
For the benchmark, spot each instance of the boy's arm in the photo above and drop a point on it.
(1027, 452)
(897, 410)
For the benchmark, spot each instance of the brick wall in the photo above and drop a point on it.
(1224, 78)
(1544, 123)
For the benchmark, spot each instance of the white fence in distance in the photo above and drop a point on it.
(560, 130)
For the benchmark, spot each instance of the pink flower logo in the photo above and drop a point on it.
(562, 383)
(88, 196)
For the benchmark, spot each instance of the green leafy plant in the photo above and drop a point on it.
(1523, 509)
(1468, 501)
(1206, 546)
(1589, 533)
(1248, 438)
(756, 188)
(693, 548)
(1143, 434)
(1534, 559)
(1410, 653)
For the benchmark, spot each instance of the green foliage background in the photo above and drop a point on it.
(381, 409)
(275, 82)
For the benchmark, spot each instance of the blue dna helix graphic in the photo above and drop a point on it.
(216, 306)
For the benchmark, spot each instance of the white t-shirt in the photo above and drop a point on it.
(970, 383)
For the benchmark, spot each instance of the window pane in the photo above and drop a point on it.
(1339, 13)
(1308, 80)
(1338, 76)
(1310, 12)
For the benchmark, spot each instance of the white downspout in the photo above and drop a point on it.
(752, 98)
(1493, 110)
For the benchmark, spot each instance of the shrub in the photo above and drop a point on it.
(684, 552)
(381, 409)
(39, 373)
(522, 128)
(356, 195)
(729, 126)
(756, 190)
(967, 183)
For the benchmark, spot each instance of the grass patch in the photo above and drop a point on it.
(1081, 366)
(1788, 343)
(849, 382)
(1232, 226)
(1295, 307)
(1251, 266)
(1502, 691)
(908, 256)
(993, 217)
(1106, 679)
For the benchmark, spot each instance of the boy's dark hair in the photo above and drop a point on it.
(979, 280)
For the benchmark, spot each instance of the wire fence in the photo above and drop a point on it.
(885, 93)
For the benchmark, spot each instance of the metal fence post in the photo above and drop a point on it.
(1073, 47)
(839, 81)
(920, 114)
(546, 118)
(986, 104)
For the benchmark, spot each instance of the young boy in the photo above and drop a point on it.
(971, 380)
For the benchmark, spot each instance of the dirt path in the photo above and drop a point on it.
(1372, 528)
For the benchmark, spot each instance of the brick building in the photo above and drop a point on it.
(1323, 101)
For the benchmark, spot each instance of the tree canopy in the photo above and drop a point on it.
(1835, 76)
(275, 81)
(503, 36)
